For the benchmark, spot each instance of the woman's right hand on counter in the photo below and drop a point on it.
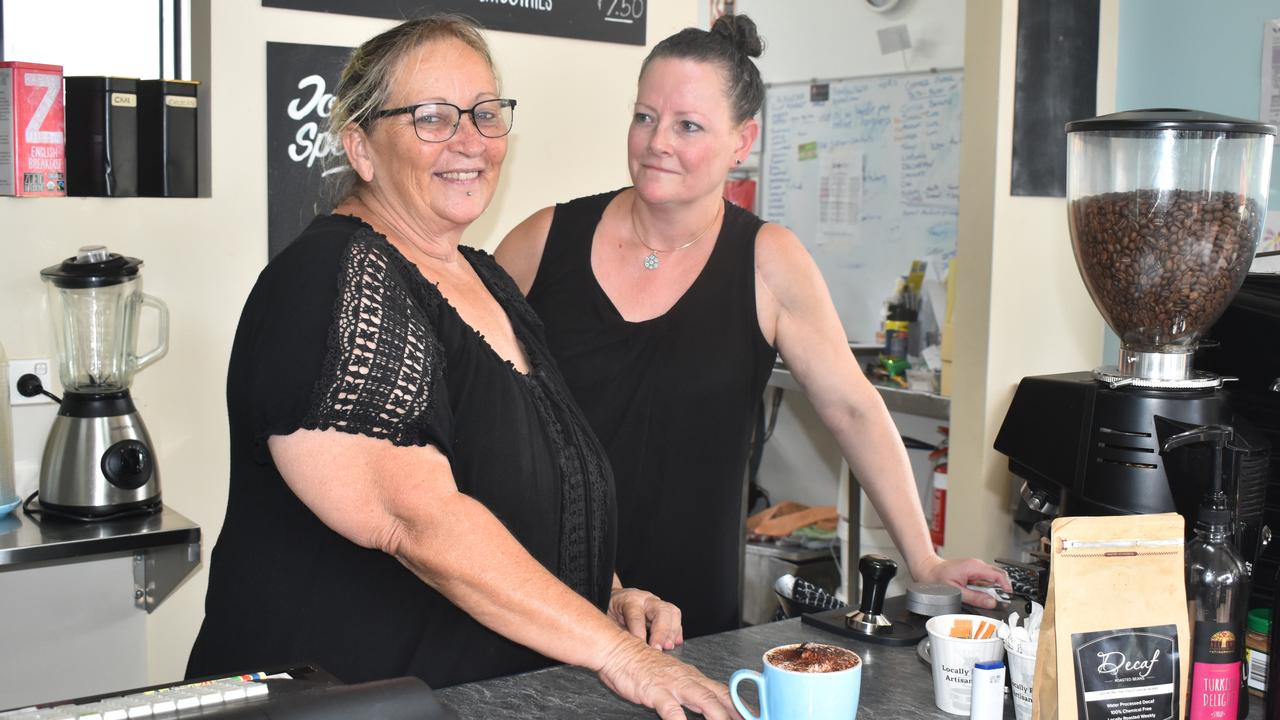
(961, 572)
(642, 675)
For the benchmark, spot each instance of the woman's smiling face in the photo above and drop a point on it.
(441, 184)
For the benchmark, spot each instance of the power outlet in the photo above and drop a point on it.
(39, 367)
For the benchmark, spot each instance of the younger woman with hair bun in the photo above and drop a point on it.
(665, 306)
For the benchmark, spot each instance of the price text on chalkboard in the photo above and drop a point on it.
(300, 83)
(616, 21)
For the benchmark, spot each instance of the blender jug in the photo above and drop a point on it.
(99, 461)
(95, 300)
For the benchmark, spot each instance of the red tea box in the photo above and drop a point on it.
(32, 161)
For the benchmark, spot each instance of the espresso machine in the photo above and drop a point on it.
(99, 461)
(1166, 208)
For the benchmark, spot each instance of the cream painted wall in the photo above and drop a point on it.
(1020, 306)
(203, 255)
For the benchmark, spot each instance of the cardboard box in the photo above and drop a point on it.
(948, 349)
(32, 162)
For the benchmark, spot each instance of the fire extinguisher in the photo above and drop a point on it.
(938, 514)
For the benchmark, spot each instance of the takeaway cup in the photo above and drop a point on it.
(953, 659)
(1021, 669)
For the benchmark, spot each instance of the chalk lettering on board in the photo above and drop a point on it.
(299, 148)
(312, 141)
(616, 21)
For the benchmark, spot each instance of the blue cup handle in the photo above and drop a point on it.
(758, 679)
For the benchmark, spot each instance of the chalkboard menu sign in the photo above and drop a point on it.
(616, 21)
(300, 80)
(1055, 81)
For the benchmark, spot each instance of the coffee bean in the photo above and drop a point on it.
(1162, 264)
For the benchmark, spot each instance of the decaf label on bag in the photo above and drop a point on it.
(1127, 674)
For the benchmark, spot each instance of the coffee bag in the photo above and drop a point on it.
(1114, 642)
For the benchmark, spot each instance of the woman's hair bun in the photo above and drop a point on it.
(741, 31)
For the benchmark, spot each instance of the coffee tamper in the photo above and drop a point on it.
(872, 622)
(869, 618)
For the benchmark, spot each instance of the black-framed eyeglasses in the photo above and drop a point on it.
(438, 121)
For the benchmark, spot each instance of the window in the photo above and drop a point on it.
(144, 39)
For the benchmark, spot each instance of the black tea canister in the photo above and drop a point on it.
(168, 138)
(102, 136)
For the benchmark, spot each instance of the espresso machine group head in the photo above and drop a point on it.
(1165, 208)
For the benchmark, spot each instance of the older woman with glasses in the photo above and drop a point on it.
(412, 489)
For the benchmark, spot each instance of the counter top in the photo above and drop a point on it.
(896, 684)
(25, 541)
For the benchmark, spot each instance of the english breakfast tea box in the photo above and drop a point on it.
(32, 160)
(1114, 641)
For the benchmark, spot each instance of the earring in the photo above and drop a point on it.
(738, 161)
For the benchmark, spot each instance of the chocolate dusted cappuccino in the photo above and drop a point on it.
(812, 658)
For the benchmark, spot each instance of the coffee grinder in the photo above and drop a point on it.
(99, 461)
(1165, 208)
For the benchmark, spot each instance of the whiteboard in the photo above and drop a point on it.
(868, 179)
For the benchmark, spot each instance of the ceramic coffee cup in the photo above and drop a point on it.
(803, 681)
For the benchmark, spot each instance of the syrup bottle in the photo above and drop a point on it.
(1217, 594)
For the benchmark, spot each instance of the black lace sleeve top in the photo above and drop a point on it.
(342, 332)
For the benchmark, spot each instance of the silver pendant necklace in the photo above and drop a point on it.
(651, 261)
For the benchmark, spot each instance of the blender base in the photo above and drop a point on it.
(33, 508)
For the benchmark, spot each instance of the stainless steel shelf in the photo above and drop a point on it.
(908, 402)
(24, 541)
(165, 547)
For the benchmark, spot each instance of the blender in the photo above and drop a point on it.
(99, 461)
(1165, 209)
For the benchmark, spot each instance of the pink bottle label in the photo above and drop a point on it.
(1215, 691)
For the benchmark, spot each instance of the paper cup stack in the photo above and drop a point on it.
(1020, 636)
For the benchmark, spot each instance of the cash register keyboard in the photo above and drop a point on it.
(176, 701)
(299, 692)
(1027, 580)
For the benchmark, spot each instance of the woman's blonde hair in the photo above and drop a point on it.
(371, 71)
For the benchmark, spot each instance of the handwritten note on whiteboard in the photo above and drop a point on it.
(868, 179)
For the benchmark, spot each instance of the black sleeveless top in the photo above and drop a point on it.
(342, 332)
(673, 400)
